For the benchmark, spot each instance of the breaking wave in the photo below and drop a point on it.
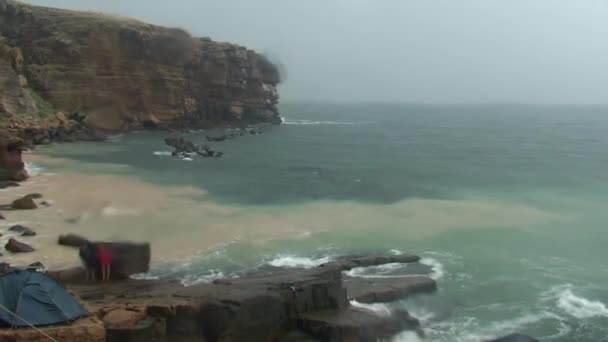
(438, 271)
(575, 305)
(293, 261)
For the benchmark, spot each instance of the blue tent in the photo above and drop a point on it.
(29, 297)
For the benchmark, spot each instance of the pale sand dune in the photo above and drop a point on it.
(111, 207)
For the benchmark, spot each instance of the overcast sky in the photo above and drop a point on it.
(525, 51)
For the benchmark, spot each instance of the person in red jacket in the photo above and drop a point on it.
(104, 260)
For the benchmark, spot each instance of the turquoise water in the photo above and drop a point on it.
(506, 202)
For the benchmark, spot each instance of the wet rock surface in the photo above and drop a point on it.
(274, 304)
(382, 290)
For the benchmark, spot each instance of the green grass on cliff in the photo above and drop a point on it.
(44, 108)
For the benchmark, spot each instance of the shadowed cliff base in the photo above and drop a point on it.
(111, 73)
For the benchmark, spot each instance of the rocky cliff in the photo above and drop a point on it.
(113, 73)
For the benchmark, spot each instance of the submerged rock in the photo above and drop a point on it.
(515, 338)
(22, 230)
(15, 246)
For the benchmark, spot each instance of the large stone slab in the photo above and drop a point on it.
(381, 290)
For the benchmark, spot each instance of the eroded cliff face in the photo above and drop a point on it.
(125, 74)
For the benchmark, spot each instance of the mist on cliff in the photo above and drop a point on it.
(442, 51)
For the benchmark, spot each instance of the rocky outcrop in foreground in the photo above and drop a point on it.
(108, 73)
(270, 305)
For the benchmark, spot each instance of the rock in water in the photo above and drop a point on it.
(2, 217)
(33, 196)
(24, 203)
(72, 240)
(22, 230)
(515, 338)
(15, 246)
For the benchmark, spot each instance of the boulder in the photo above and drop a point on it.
(22, 230)
(2, 217)
(72, 240)
(15, 246)
(24, 203)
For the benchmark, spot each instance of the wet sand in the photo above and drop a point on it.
(180, 222)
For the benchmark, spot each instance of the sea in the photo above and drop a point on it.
(507, 204)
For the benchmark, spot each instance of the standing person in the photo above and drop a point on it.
(104, 258)
(87, 254)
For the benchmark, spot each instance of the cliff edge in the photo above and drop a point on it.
(113, 74)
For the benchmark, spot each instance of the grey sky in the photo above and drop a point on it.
(538, 51)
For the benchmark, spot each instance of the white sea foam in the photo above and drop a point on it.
(315, 123)
(438, 271)
(162, 153)
(293, 261)
(144, 276)
(576, 305)
(190, 280)
(378, 308)
(187, 159)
